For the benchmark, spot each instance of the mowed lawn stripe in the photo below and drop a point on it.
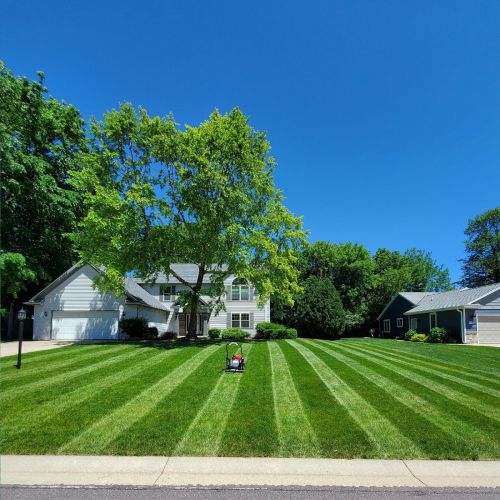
(433, 421)
(251, 427)
(72, 361)
(486, 408)
(449, 355)
(159, 432)
(96, 437)
(65, 426)
(483, 378)
(296, 436)
(481, 432)
(386, 438)
(472, 389)
(33, 359)
(37, 415)
(338, 434)
(62, 378)
(204, 434)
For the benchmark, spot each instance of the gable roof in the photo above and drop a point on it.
(453, 299)
(188, 272)
(133, 292)
(412, 297)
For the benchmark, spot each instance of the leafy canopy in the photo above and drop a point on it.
(40, 139)
(157, 194)
(482, 264)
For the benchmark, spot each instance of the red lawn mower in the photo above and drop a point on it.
(235, 363)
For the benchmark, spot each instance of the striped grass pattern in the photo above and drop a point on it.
(302, 398)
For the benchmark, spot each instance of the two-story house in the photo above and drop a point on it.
(72, 308)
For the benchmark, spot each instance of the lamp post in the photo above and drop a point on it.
(21, 316)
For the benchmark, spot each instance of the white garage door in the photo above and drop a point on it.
(488, 329)
(92, 325)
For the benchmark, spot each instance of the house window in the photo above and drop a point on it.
(240, 290)
(240, 320)
(399, 322)
(433, 320)
(167, 293)
(414, 324)
(387, 325)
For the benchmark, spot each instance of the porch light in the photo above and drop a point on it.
(21, 314)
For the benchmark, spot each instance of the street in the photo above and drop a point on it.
(244, 493)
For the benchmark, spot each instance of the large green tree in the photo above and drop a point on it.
(157, 194)
(411, 271)
(482, 264)
(40, 140)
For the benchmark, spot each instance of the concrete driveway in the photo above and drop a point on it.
(10, 348)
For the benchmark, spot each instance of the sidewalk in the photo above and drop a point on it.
(214, 471)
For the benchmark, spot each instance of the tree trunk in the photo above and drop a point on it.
(10, 324)
(193, 310)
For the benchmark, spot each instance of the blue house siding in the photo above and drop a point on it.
(451, 320)
(396, 310)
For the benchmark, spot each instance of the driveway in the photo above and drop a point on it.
(10, 348)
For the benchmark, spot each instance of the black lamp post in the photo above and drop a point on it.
(21, 316)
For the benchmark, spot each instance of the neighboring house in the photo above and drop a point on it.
(392, 321)
(470, 315)
(71, 308)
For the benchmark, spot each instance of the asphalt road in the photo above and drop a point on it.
(230, 493)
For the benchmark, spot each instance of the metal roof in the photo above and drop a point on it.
(454, 298)
(415, 297)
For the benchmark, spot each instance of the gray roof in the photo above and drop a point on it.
(452, 299)
(415, 297)
(188, 272)
(136, 293)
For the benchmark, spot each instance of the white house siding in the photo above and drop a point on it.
(155, 318)
(75, 294)
(236, 306)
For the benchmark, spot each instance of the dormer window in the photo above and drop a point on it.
(167, 293)
(240, 290)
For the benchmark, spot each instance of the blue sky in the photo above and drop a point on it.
(384, 116)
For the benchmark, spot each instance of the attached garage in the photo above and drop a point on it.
(488, 329)
(81, 325)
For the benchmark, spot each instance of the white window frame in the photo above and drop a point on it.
(167, 296)
(239, 288)
(399, 323)
(239, 322)
(414, 324)
(387, 326)
(435, 320)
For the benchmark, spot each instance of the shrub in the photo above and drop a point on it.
(438, 335)
(234, 334)
(214, 333)
(135, 327)
(168, 336)
(275, 331)
(419, 337)
(152, 333)
(409, 334)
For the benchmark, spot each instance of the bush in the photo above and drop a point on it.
(214, 333)
(135, 327)
(438, 335)
(419, 337)
(168, 336)
(234, 334)
(409, 334)
(275, 331)
(152, 333)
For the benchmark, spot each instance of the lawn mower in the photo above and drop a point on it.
(235, 363)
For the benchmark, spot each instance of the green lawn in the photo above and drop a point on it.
(351, 398)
